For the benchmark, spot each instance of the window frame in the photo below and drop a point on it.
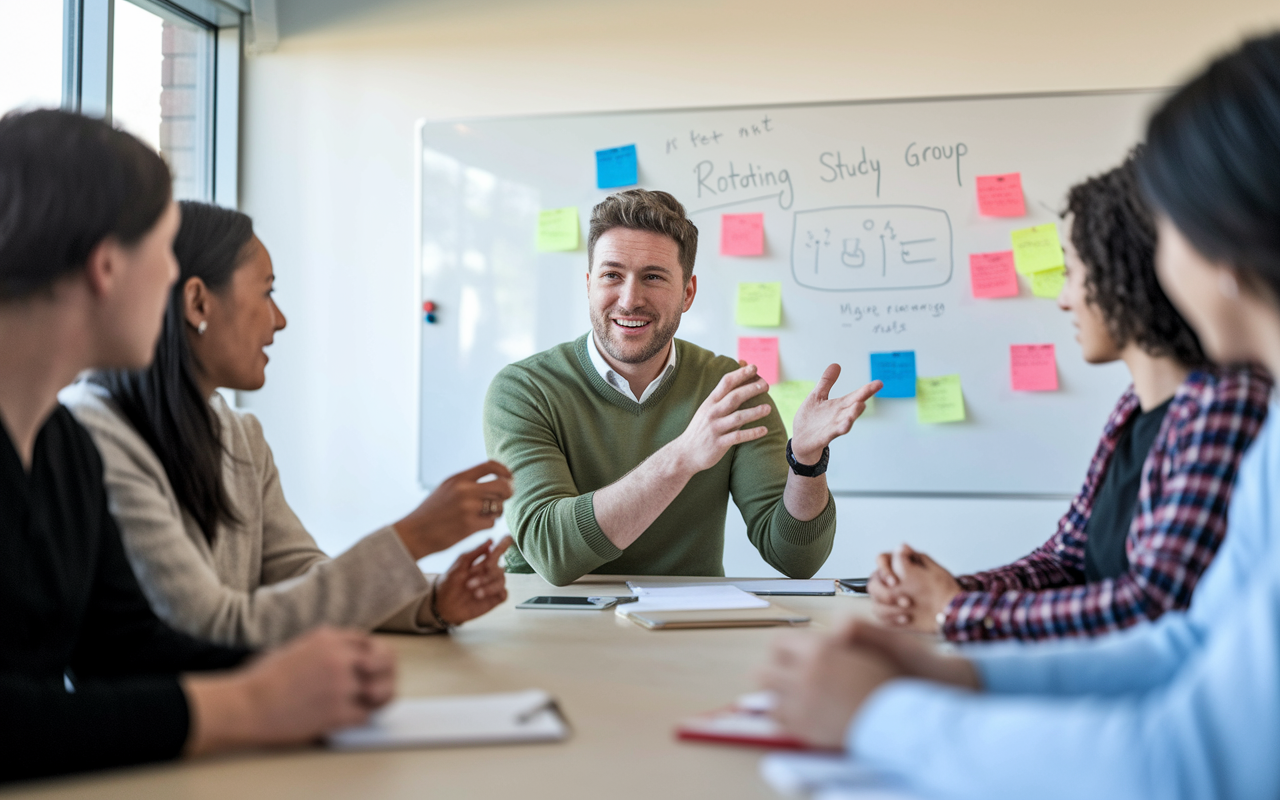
(87, 80)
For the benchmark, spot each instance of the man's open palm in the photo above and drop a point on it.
(821, 418)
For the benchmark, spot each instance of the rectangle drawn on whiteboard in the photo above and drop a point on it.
(871, 248)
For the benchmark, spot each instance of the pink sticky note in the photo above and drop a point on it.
(741, 234)
(993, 274)
(1001, 195)
(1033, 367)
(763, 352)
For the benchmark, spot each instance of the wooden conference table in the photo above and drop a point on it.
(622, 688)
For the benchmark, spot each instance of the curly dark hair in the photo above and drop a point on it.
(1115, 234)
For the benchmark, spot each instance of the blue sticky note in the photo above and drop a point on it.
(616, 167)
(897, 370)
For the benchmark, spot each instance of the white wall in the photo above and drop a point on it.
(327, 175)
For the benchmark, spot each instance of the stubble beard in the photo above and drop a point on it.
(658, 341)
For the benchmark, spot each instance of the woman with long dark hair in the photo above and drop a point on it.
(89, 677)
(1189, 706)
(1153, 508)
(195, 491)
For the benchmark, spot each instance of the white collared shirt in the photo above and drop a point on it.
(620, 383)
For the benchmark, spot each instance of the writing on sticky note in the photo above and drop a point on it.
(557, 230)
(939, 400)
(741, 234)
(1048, 283)
(1001, 195)
(787, 397)
(763, 352)
(616, 166)
(1036, 249)
(759, 305)
(1033, 368)
(993, 275)
(897, 370)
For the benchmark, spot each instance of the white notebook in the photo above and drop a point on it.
(510, 717)
(703, 597)
(768, 586)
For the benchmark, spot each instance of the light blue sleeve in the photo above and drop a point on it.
(1186, 708)
(1213, 732)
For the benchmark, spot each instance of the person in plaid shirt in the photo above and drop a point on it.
(1152, 511)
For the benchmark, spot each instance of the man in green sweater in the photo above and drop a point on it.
(627, 442)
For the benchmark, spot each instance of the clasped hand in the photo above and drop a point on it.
(910, 589)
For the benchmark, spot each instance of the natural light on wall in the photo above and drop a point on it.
(30, 54)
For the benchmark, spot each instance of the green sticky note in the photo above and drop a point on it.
(939, 400)
(1036, 249)
(787, 397)
(557, 230)
(759, 305)
(1048, 282)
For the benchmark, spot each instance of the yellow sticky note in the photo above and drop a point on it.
(1036, 249)
(1049, 282)
(787, 397)
(759, 305)
(939, 400)
(557, 230)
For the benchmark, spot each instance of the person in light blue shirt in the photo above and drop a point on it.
(1187, 707)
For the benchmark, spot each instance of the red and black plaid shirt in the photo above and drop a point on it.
(1179, 522)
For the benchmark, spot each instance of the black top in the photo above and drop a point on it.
(1116, 500)
(72, 614)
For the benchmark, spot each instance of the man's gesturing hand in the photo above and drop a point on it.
(821, 418)
(717, 425)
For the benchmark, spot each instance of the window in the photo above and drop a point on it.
(167, 71)
(161, 79)
(30, 54)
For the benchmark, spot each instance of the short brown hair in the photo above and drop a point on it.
(644, 210)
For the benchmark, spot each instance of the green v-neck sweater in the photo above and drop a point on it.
(564, 432)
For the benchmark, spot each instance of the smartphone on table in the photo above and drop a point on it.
(569, 603)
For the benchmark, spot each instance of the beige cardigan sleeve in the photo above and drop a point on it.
(298, 587)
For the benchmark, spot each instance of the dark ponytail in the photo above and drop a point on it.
(163, 402)
(1212, 161)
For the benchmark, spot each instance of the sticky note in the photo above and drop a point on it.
(1036, 249)
(557, 230)
(787, 397)
(1049, 282)
(1001, 195)
(741, 234)
(1033, 368)
(939, 400)
(897, 370)
(763, 352)
(759, 305)
(993, 274)
(616, 166)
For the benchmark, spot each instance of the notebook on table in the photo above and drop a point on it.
(504, 718)
(661, 619)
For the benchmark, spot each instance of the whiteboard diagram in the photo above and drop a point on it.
(871, 248)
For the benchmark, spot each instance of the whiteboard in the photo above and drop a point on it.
(831, 180)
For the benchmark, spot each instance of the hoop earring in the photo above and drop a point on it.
(1228, 286)
(202, 327)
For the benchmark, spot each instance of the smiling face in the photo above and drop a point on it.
(1096, 343)
(242, 321)
(637, 293)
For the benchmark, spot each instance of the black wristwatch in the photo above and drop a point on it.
(808, 470)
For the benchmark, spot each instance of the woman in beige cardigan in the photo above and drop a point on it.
(195, 491)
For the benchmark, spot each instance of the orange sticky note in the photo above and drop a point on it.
(1001, 195)
(1033, 368)
(763, 352)
(993, 274)
(741, 234)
